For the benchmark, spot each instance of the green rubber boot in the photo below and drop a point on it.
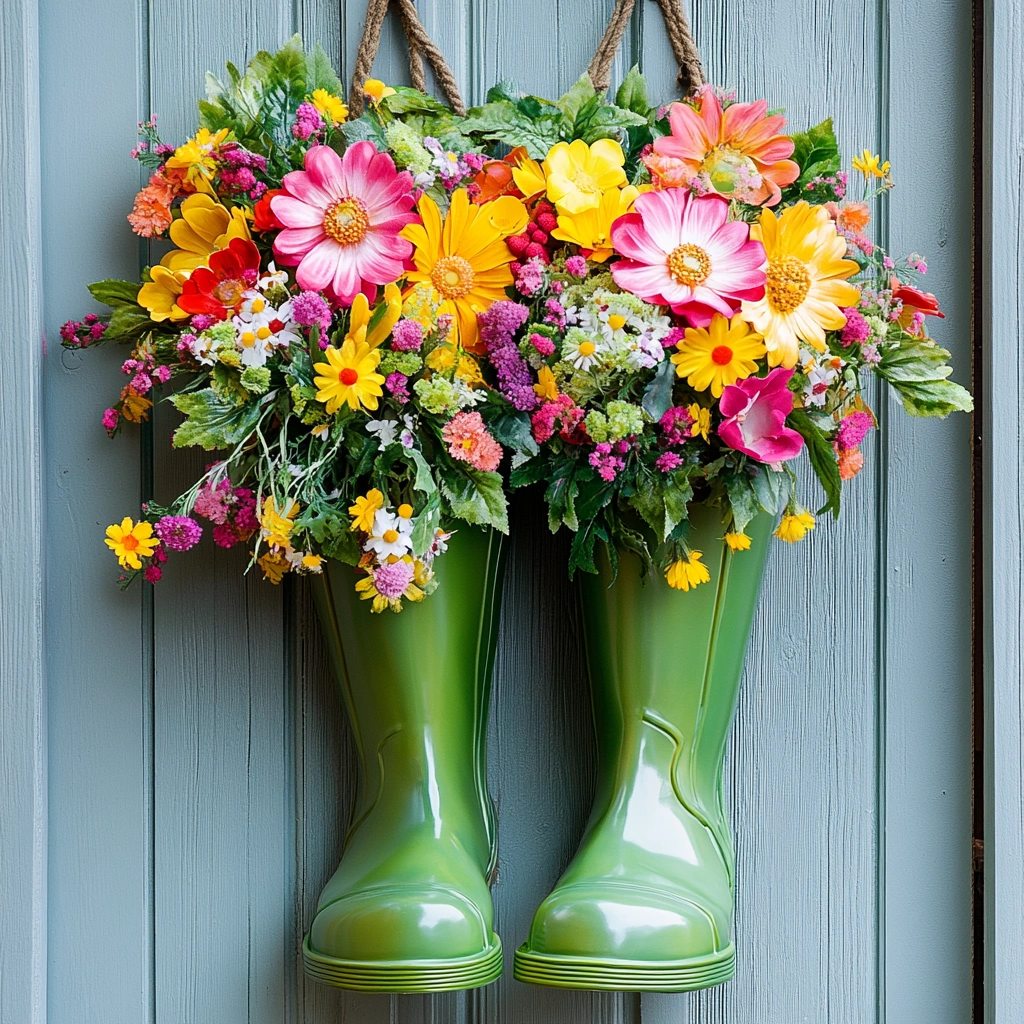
(409, 908)
(647, 902)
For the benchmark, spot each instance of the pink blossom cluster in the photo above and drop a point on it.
(396, 384)
(607, 459)
(675, 426)
(307, 122)
(856, 329)
(393, 579)
(179, 533)
(81, 333)
(310, 309)
(469, 441)
(238, 170)
(407, 336)
(232, 510)
(562, 415)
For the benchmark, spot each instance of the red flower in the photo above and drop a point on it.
(263, 216)
(914, 301)
(221, 286)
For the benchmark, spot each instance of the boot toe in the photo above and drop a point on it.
(616, 921)
(401, 922)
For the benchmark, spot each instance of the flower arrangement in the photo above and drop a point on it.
(696, 304)
(644, 307)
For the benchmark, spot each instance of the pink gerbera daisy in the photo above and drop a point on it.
(342, 217)
(681, 250)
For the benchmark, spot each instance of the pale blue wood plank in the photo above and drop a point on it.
(223, 732)
(22, 698)
(1000, 306)
(98, 655)
(927, 686)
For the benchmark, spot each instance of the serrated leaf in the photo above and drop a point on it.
(424, 480)
(427, 524)
(742, 500)
(504, 90)
(934, 398)
(632, 94)
(677, 493)
(917, 360)
(527, 473)
(476, 496)
(116, 293)
(127, 322)
(412, 101)
(320, 73)
(609, 122)
(364, 129)
(513, 430)
(823, 460)
(573, 101)
(211, 421)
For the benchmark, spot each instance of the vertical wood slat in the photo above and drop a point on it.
(97, 641)
(224, 849)
(22, 699)
(1001, 305)
(926, 682)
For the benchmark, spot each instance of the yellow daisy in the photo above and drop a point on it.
(687, 573)
(332, 108)
(578, 174)
(701, 421)
(737, 541)
(277, 524)
(349, 375)
(160, 294)
(198, 157)
(365, 510)
(464, 257)
(204, 227)
(868, 165)
(793, 526)
(718, 355)
(591, 229)
(806, 285)
(131, 542)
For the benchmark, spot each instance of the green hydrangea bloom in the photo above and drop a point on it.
(597, 426)
(407, 147)
(406, 363)
(620, 419)
(256, 379)
(229, 357)
(437, 395)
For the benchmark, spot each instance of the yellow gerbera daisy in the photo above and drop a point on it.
(465, 258)
(806, 281)
(204, 227)
(686, 573)
(737, 541)
(198, 156)
(591, 229)
(793, 526)
(718, 355)
(131, 542)
(374, 89)
(578, 174)
(528, 176)
(349, 375)
(364, 511)
(332, 108)
(159, 295)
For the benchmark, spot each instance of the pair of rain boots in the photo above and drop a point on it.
(647, 902)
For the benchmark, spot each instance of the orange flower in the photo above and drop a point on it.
(851, 462)
(737, 152)
(150, 215)
(500, 178)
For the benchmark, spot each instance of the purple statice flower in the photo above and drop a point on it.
(498, 326)
(307, 121)
(310, 309)
(393, 580)
(577, 266)
(607, 465)
(856, 329)
(179, 533)
(407, 336)
(870, 354)
(396, 384)
(667, 461)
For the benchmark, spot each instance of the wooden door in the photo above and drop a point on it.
(199, 768)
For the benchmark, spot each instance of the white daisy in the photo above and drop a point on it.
(392, 535)
(580, 350)
(384, 430)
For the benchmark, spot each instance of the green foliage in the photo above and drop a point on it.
(116, 293)
(917, 370)
(817, 153)
(474, 495)
(212, 422)
(127, 323)
(823, 459)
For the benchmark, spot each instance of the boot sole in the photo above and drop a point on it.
(405, 975)
(607, 975)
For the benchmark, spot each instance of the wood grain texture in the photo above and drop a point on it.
(97, 638)
(1002, 309)
(22, 696)
(926, 686)
(223, 752)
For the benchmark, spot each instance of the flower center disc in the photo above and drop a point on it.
(228, 292)
(584, 182)
(788, 283)
(689, 264)
(722, 355)
(390, 536)
(129, 543)
(348, 376)
(346, 221)
(452, 276)
(586, 349)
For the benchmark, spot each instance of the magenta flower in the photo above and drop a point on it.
(754, 415)
(682, 251)
(341, 218)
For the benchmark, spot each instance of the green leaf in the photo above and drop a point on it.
(658, 394)
(213, 422)
(504, 90)
(424, 477)
(934, 398)
(581, 553)
(116, 293)
(632, 94)
(364, 129)
(823, 460)
(475, 496)
(772, 489)
(817, 153)
(320, 74)
(127, 322)
(917, 360)
(649, 501)
(677, 493)
(608, 122)
(528, 473)
(503, 121)
(742, 500)
(594, 495)
(427, 523)
(412, 101)
(574, 100)
(513, 430)
(561, 497)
